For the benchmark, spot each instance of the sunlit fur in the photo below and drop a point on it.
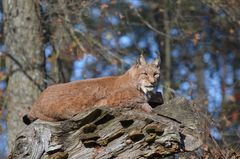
(132, 89)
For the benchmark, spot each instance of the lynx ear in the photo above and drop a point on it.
(156, 62)
(141, 60)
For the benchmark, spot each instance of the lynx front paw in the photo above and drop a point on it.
(146, 107)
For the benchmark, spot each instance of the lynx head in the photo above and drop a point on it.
(145, 75)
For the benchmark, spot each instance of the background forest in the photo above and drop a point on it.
(43, 42)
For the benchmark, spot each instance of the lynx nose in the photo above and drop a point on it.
(152, 80)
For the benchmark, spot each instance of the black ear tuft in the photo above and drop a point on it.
(157, 62)
(26, 120)
(141, 60)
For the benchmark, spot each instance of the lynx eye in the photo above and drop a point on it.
(144, 73)
(156, 75)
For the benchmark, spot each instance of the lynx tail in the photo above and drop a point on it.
(27, 120)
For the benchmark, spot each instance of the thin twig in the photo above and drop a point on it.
(150, 26)
(24, 71)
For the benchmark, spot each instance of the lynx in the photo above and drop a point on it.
(132, 89)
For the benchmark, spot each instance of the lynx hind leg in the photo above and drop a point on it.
(146, 107)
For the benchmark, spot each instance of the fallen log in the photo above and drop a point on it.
(104, 133)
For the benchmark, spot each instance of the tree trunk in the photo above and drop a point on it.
(23, 39)
(61, 41)
(167, 82)
(106, 132)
